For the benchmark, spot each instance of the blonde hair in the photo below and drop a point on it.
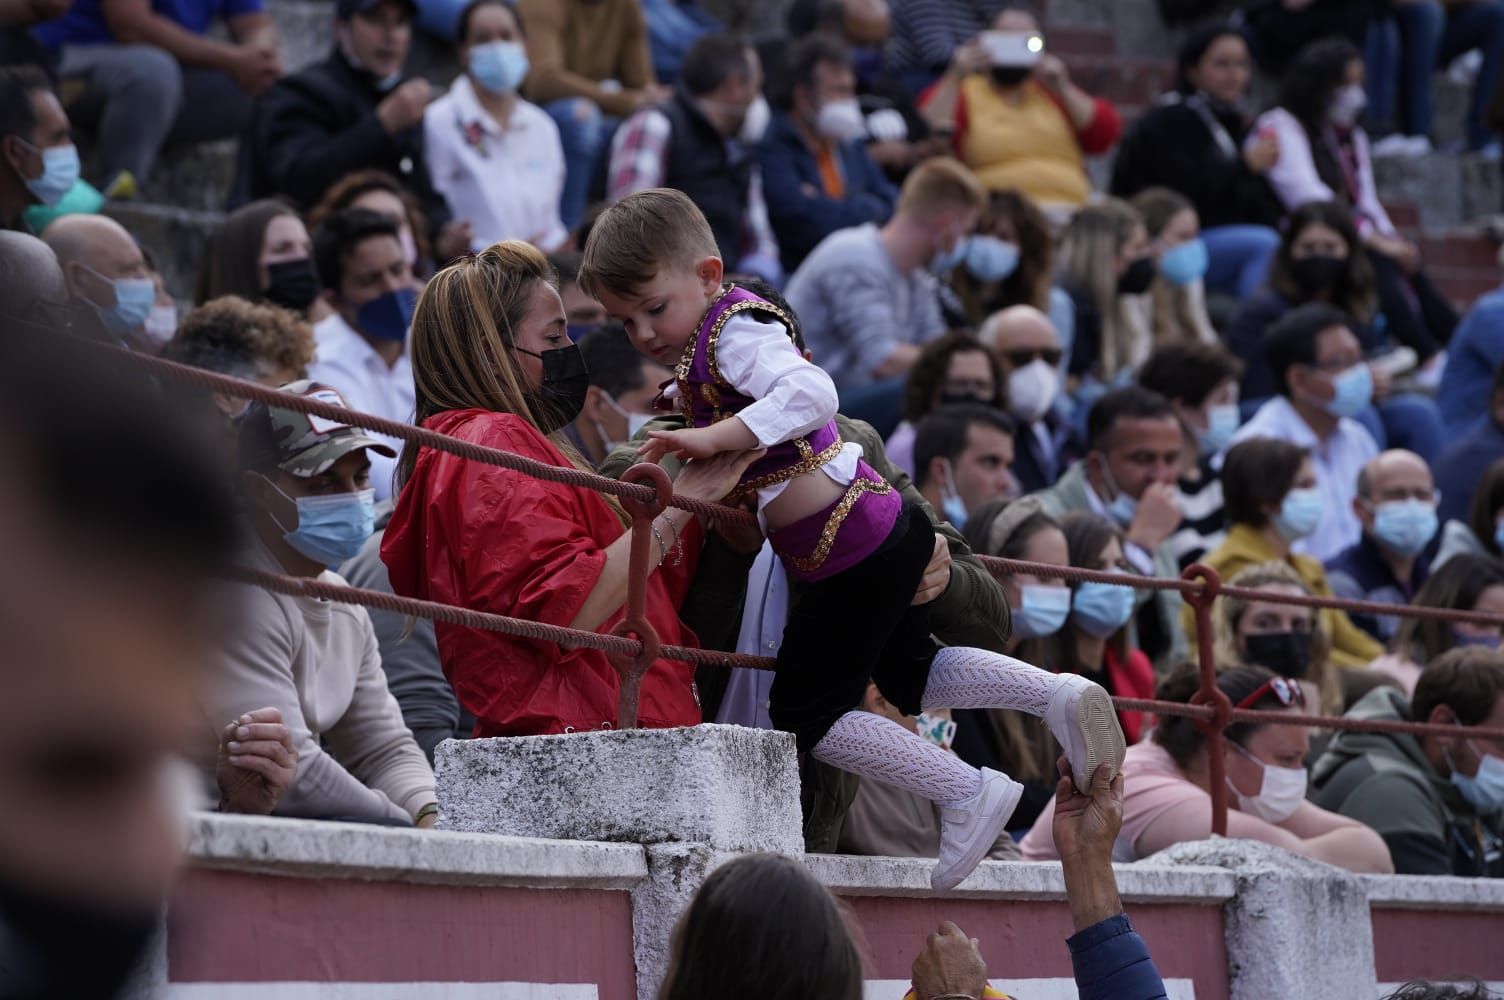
(462, 333)
(630, 241)
(940, 183)
(1230, 610)
(1087, 264)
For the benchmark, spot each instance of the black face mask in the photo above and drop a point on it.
(1315, 275)
(1286, 653)
(1139, 276)
(42, 939)
(954, 398)
(565, 381)
(1010, 76)
(293, 284)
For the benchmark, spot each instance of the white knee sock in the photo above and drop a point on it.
(965, 677)
(875, 747)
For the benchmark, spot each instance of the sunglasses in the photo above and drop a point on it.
(1287, 691)
(1022, 356)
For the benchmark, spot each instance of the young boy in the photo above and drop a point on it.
(840, 529)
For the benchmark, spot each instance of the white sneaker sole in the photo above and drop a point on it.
(999, 800)
(1081, 716)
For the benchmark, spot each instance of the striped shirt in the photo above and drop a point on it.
(1205, 521)
(926, 32)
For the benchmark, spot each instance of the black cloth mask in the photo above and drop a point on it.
(1010, 76)
(293, 284)
(1286, 653)
(1139, 276)
(565, 382)
(1315, 275)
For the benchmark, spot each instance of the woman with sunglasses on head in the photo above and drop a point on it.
(1167, 782)
(1285, 638)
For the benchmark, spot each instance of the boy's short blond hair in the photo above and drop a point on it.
(640, 235)
(939, 184)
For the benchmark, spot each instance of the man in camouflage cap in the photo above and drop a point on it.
(308, 500)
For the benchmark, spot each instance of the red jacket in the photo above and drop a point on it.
(487, 538)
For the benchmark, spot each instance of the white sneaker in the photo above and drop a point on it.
(1082, 718)
(1399, 146)
(969, 829)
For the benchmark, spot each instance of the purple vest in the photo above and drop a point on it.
(829, 541)
(706, 398)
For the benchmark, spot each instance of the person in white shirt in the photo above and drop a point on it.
(1323, 382)
(362, 348)
(496, 158)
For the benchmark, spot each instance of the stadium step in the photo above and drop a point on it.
(177, 238)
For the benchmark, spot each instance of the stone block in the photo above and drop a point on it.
(193, 177)
(725, 787)
(1297, 927)
(675, 872)
(177, 238)
(306, 28)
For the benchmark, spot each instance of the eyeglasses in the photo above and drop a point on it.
(1022, 356)
(1287, 691)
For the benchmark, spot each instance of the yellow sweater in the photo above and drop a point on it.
(1029, 146)
(1244, 547)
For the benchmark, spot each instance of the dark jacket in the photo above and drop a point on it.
(316, 126)
(1360, 572)
(1463, 463)
(1276, 34)
(1035, 467)
(1245, 338)
(1385, 781)
(801, 213)
(1176, 145)
(700, 163)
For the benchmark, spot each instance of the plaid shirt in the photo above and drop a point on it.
(639, 152)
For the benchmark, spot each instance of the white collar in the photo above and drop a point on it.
(468, 109)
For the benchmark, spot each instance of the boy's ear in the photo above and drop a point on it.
(711, 272)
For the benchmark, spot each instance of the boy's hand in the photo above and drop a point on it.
(698, 442)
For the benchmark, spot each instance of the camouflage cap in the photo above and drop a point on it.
(307, 445)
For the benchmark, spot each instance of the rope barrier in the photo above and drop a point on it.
(635, 643)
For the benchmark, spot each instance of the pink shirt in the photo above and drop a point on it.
(1152, 785)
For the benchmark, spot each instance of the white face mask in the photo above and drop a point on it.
(840, 121)
(1348, 105)
(635, 423)
(1032, 390)
(755, 123)
(161, 323)
(1282, 792)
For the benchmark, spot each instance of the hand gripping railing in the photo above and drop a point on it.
(633, 644)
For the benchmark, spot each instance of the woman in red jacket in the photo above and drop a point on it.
(493, 365)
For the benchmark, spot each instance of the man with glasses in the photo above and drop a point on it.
(1396, 504)
(1323, 383)
(1044, 444)
(1436, 800)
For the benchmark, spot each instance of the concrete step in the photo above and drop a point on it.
(1447, 190)
(176, 237)
(306, 28)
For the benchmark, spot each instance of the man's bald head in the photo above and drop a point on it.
(32, 276)
(1395, 475)
(1019, 328)
(97, 244)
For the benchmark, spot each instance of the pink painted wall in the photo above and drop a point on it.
(1026, 940)
(231, 927)
(1434, 944)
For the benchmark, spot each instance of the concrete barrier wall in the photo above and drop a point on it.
(361, 913)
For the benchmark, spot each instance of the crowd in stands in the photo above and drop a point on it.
(860, 271)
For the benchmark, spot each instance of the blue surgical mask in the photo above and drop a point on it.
(500, 67)
(1185, 264)
(1354, 388)
(1100, 609)
(1041, 610)
(331, 529)
(1499, 535)
(1299, 514)
(1405, 526)
(388, 317)
(1222, 422)
(990, 259)
(134, 299)
(1460, 638)
(1485, 790)
(951, 504)
(1122, 507)
(60, 171)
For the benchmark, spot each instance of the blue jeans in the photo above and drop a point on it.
(1403, 53)
(1409, 421)
(672, 29)
(1239, 258)
(583, 132)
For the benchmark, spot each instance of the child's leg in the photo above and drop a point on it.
(1078, 712)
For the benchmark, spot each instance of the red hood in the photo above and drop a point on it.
(402, 545)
